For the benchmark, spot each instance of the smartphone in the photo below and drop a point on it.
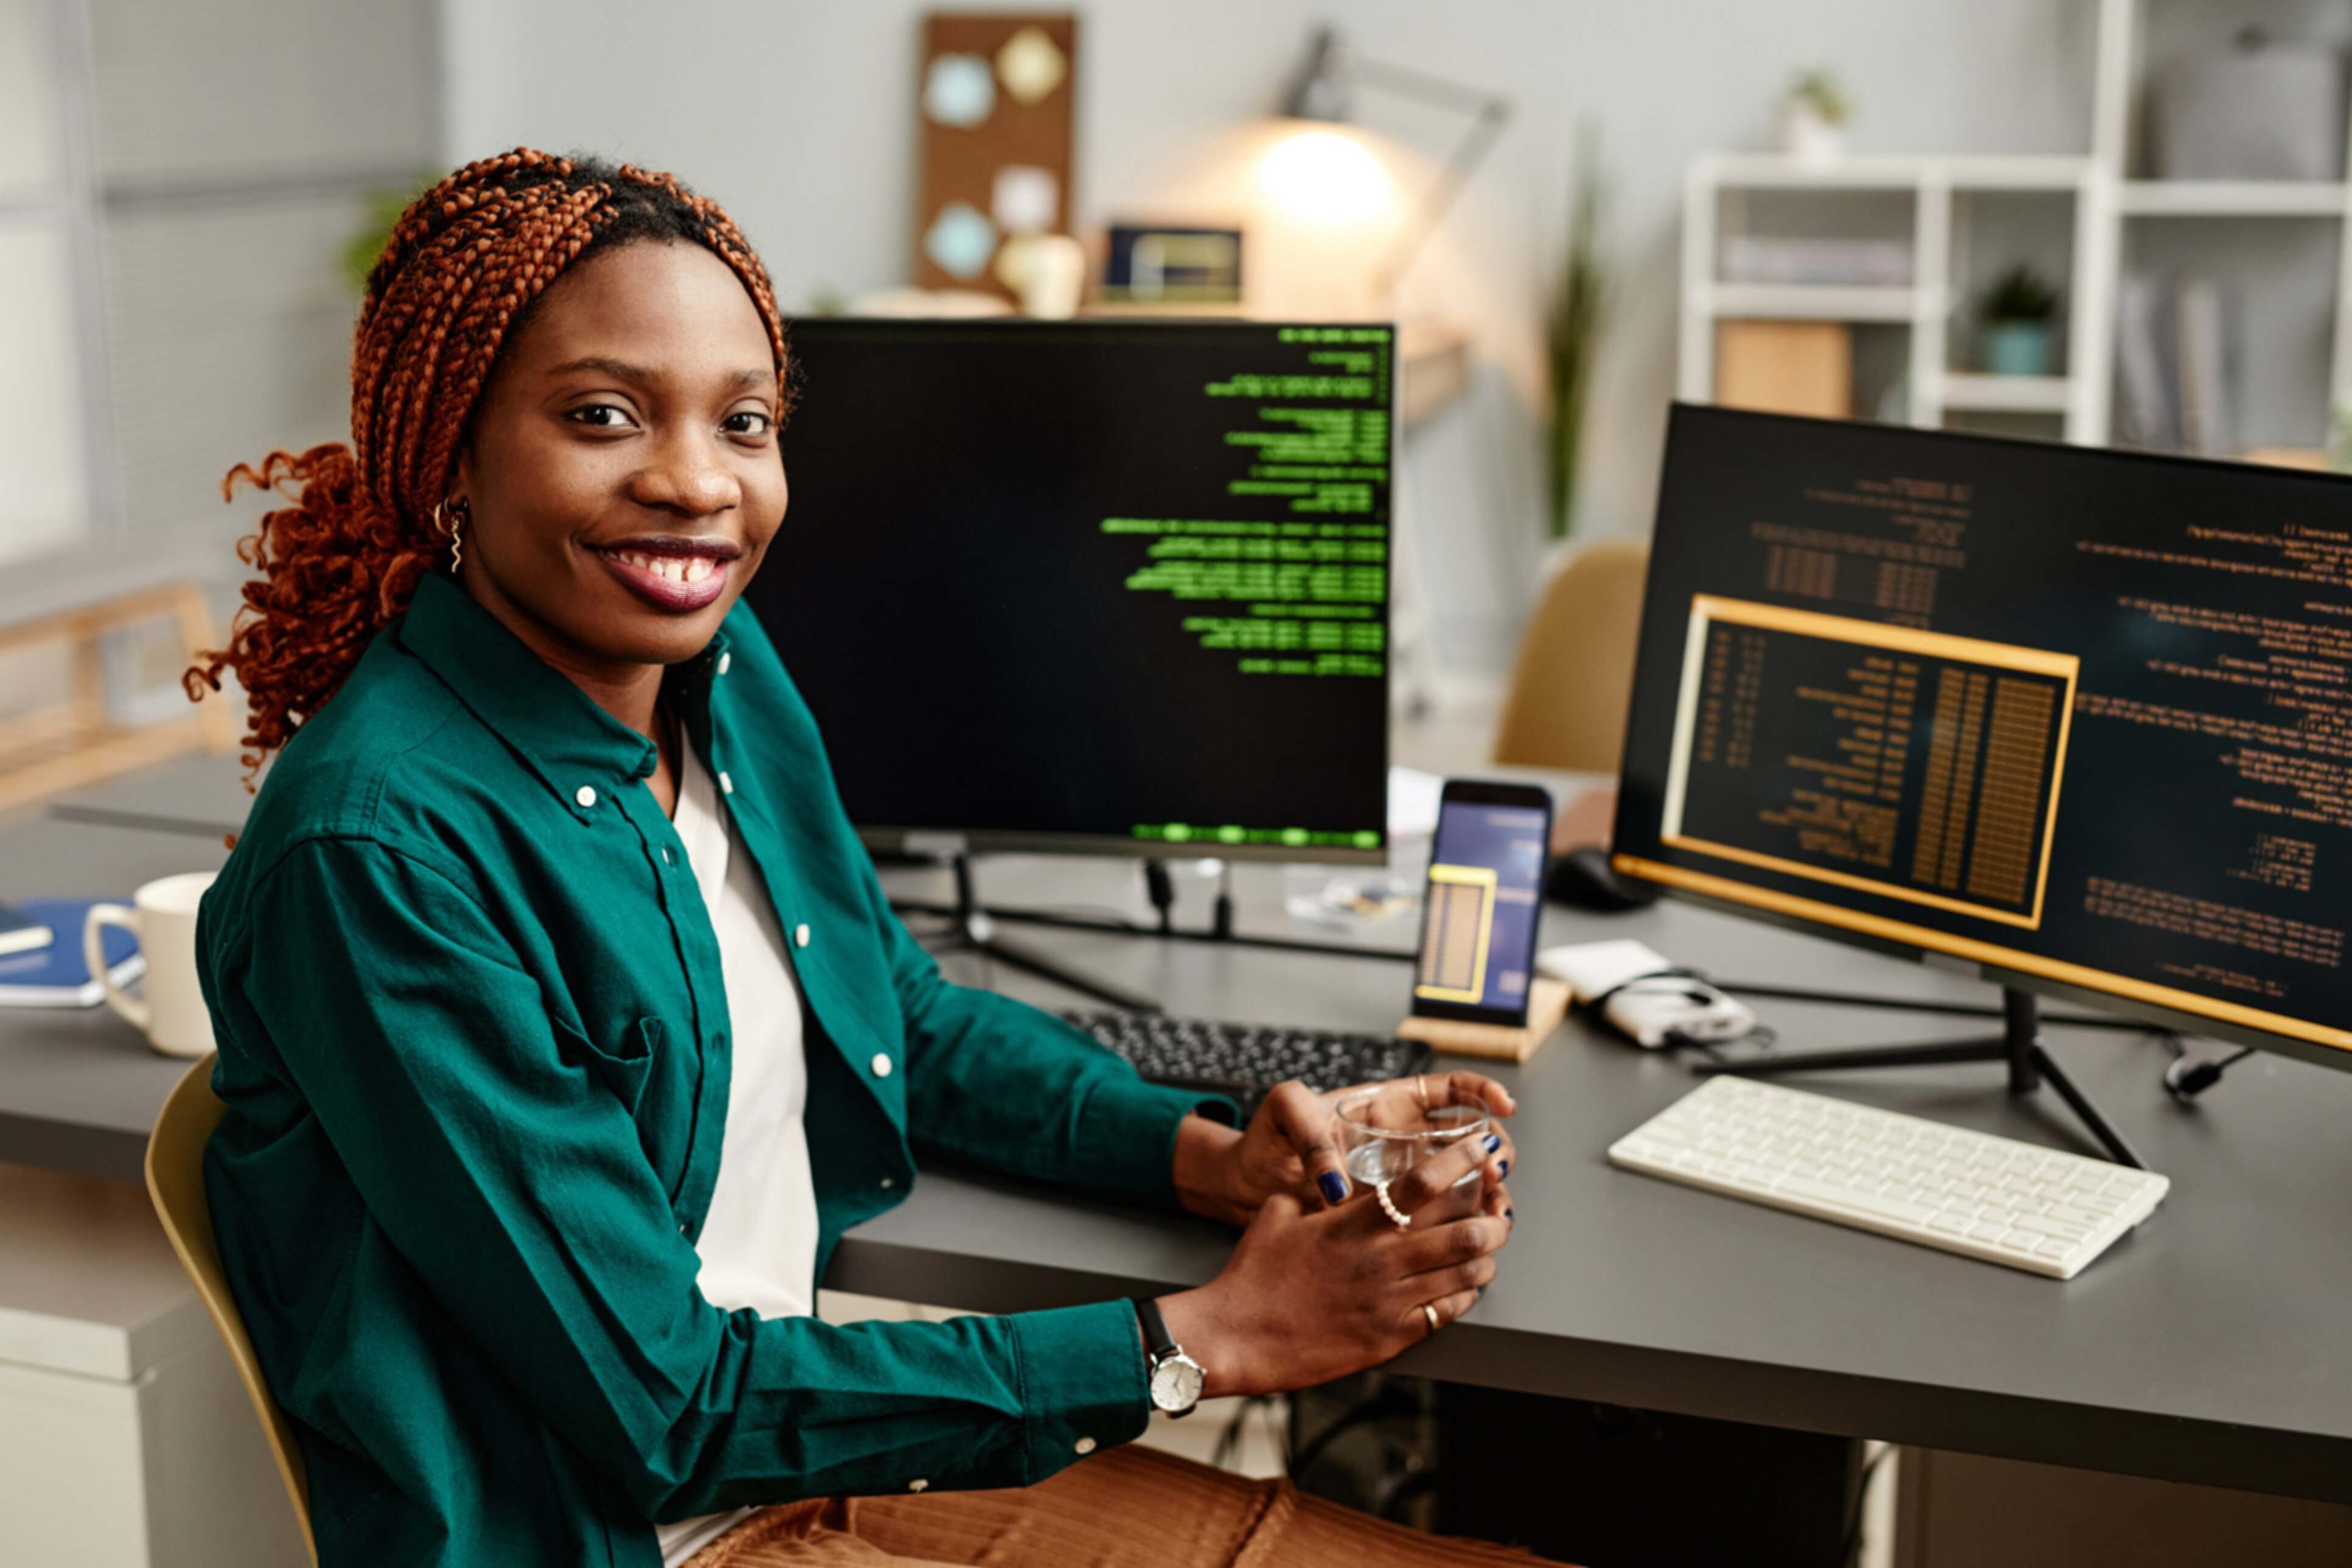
(1479, 912)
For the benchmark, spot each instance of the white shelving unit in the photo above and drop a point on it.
(1926, 306)
(2104, 202)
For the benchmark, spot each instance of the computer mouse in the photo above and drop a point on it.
(1583, 880)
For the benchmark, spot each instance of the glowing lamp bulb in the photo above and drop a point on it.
(1324, 177)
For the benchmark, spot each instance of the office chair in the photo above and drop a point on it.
(176, 1180)
(1574, 679)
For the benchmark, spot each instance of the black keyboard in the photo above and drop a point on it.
(1243, 1060)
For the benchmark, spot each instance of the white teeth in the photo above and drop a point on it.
(668, 568)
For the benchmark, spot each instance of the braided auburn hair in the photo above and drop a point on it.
(464, 267)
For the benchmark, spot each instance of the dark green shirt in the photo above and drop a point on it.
(474, 1046)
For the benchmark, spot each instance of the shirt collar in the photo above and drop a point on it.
(560, 734)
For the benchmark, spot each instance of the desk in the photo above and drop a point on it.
(2200, 1348)
(79, 1088)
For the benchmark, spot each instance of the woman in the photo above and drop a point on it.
(563, 1026)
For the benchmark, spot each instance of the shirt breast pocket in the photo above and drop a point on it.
(625, 1066)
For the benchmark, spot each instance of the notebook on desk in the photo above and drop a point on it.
(56, 975)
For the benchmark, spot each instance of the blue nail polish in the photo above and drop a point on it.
(1511, 1216)
(1482, 1290)
(1505, 1169)
(1493, 1142)
(1334, 1186)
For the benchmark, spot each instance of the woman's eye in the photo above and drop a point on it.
(604, 415)
(751, 422)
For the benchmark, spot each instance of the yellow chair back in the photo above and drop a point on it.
(176, 1180)
(1574, 679)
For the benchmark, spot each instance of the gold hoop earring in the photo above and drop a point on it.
(458, 510)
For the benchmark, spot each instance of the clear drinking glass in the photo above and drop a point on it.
(1386, 1130)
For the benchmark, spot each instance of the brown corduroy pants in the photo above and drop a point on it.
(1129, 1508)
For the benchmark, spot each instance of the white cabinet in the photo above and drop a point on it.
(126, 1440)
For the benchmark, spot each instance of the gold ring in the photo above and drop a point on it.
(1429, 1312)
(1388, 1207)
(1419, 1092)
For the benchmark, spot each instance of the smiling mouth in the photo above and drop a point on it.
(668, 568)
(673, 575)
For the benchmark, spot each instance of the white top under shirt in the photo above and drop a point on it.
(759, 1243)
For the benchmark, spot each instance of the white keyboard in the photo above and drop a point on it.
(1993, 1198)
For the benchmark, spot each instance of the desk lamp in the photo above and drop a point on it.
(1324, 174)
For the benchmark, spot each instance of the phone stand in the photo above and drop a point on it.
(1547, 1005)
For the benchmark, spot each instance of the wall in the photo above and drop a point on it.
(799, 115)
(44, 476)
(177, 185)
(234, 146)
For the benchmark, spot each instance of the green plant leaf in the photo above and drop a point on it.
(1574, 321)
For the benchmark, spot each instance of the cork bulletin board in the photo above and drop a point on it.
(994, 99)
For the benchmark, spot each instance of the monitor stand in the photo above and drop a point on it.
(975, 931)
(2019, 1045)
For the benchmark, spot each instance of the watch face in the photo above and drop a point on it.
(1176, 1383)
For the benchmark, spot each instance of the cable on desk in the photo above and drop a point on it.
(1120, 926)
(2186, 1077)
(1955, 1009)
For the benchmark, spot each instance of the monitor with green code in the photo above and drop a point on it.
(1103, 587)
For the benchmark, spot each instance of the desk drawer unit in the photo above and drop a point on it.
(126, 1440)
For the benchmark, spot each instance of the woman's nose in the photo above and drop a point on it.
(685, 476)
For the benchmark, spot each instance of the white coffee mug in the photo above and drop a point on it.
(163, 915)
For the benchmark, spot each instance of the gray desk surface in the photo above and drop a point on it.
(202, 798)
(2203, 1348)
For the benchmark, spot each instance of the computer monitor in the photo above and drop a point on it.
(1098, 586)
(2077, 717)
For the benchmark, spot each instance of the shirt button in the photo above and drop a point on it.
(681, 1230)
(800, 936)
(665, 859)
(724, 660)
(1086, 1445)
(586, 795)
(918, 1485)
(881, 1064)
(725, 784)
(885, 1183)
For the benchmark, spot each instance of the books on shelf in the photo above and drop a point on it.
(2174, 366)
(2205, 423)
(56, 975)
(1825, 263)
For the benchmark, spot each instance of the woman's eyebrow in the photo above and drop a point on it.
(622, 370)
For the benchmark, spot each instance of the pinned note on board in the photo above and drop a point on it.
(995, 94)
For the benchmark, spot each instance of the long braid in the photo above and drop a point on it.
(465, 265)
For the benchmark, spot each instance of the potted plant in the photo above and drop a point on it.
(1813, 115)
(1573, 321)
(2017, 312)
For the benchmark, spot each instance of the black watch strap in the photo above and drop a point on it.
(1156, 1337)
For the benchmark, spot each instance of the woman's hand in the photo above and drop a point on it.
(1292, 1147)
(1310, 1296)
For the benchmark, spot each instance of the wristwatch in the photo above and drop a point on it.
(1175, 1378)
